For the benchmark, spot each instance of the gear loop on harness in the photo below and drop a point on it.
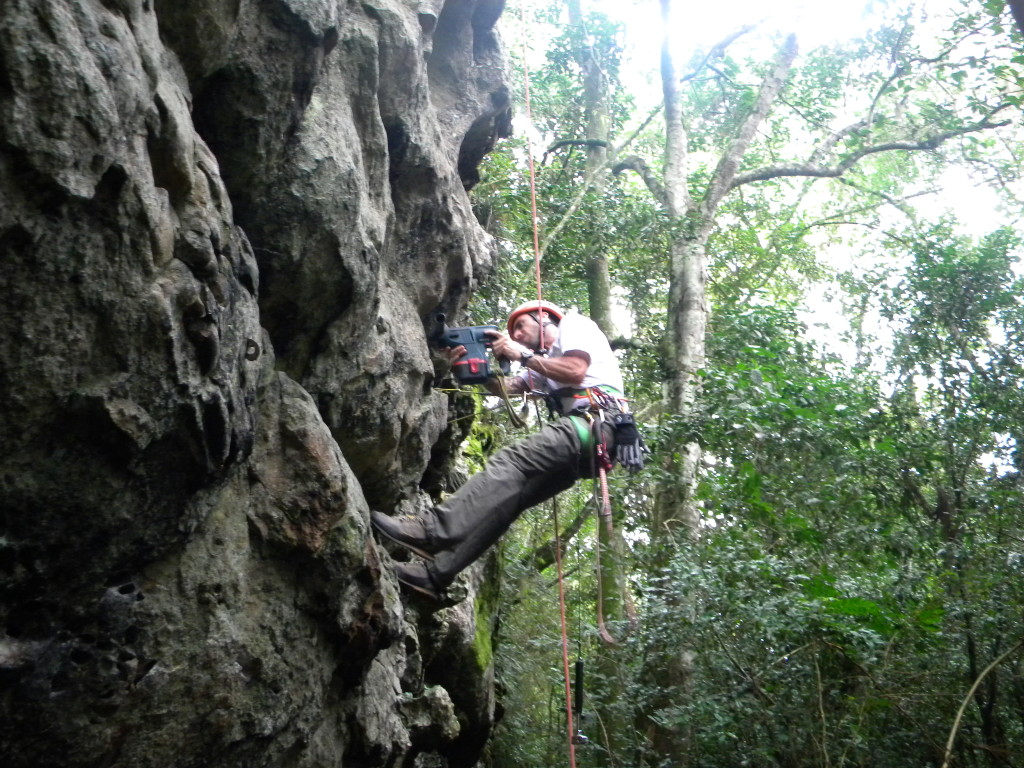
(590, 423)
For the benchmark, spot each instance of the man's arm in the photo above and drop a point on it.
(569, 370)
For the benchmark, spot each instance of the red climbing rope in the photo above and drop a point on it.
(533, 202)
(558, 544)
(533, 184)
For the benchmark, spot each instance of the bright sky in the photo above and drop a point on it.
(702, 24)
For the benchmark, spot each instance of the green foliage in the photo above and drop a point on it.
(952, 291)
(529, 654)
(833, 606)
(860, 554)
(484, 608)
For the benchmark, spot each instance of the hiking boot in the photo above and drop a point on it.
(417, 578)
(406, 530)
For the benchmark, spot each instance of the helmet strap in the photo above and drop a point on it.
(541, 326)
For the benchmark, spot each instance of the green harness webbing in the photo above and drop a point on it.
(583, 430)
(582, 421)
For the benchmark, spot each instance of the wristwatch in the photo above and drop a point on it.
(526, 356)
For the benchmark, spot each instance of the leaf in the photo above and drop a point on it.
(930, 619)
(853, 606)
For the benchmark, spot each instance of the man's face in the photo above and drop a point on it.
(526, 330)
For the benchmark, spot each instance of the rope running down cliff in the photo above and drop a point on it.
(558, 545)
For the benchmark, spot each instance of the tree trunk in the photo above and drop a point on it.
(677, 513)
(595, 95)
(669, 670)
(607, 701)
(599, 292)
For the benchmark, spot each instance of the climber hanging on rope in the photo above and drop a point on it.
(566, 357)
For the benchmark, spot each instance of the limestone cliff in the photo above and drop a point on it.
(223, 224)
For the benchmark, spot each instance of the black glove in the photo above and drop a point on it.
(629, 443)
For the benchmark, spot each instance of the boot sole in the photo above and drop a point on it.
(419, 589)
(411, 547)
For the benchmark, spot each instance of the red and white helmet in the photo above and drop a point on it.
(534, 306)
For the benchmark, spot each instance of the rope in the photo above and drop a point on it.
(565, 638)
(541, 314)
(517, 421)
(605, 515)
(533, 183)
(554, 504)
(603, 506)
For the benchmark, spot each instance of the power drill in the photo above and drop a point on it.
(473, 367)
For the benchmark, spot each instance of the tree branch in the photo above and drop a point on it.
(588, 181)
(828, 144)
(724, 176)
(643, 170)
(717, 50)
(648, 176)
(676, 195)
(897, 203)
(931, 142)
(970, 695)
(898, 70)
(555, 231)
(576, 143)
(1017, 9)
(544, 555)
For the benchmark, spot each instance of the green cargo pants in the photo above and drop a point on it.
(516, 478)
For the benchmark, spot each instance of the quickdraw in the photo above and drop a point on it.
(597, 399)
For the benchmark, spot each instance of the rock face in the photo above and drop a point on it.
(223, 226)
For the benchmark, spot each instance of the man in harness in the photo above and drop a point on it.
(566, 357)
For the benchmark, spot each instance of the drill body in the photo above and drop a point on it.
(474, 367)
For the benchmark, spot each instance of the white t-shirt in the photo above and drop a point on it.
(579, 333)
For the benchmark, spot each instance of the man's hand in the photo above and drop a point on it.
(506, 347)
(569, 370)
(454, 353)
